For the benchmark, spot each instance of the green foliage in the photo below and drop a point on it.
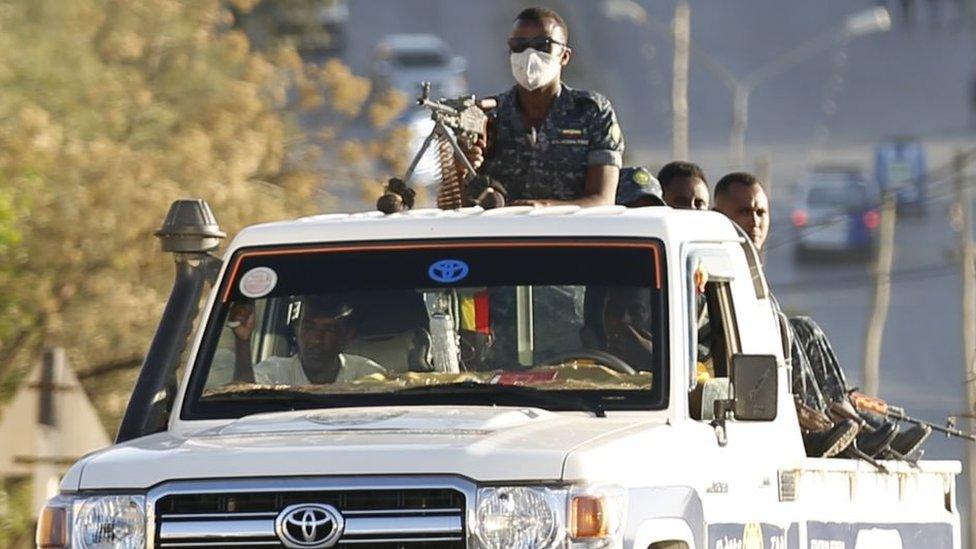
(9, 241)
(112, 109)
(15, 521)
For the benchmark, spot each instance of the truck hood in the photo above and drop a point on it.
(478, 442)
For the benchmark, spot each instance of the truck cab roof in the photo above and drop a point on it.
(669, 225)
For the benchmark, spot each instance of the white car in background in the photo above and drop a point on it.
(404, 61)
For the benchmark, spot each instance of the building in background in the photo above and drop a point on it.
(48, 425)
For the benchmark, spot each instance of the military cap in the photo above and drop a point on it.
(637, 183)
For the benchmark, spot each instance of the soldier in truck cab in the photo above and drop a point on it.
(604, 321)
(548, 143)
(325, 325)
(626, 323)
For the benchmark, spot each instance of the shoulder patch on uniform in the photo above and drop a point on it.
(642, 177)
(616, 135)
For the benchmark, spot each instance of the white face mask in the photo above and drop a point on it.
(533, 69)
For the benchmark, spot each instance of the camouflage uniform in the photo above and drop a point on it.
(824, 367)
(806, 383)
(549, 162)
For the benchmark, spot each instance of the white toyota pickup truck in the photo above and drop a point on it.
(513, 378)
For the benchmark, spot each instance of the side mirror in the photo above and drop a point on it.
(712, 391)
(755, 385)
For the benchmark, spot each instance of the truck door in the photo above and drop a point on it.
(740, 485)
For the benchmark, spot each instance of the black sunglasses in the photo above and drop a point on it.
(538, 43)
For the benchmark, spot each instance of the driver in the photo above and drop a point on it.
(325, 327)
(625, 321)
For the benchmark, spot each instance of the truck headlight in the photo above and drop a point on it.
(519, 517)
(539, 517)
(99, 522)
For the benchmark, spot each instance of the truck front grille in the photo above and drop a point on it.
(389, 514)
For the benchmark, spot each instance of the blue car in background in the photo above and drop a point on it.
(835, 213)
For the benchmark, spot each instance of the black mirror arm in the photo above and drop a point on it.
(722, 408)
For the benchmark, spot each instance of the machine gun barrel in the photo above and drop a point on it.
(949, 429)
(436, 106)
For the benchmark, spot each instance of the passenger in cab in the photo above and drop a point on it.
(605, 320)
(626, 325)
(684, 186)
(548, 143)
(324, 327)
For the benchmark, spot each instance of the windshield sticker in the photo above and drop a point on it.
(258, 282)
(447, 271)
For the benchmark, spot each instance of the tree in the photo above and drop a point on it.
(113, 108)
(110, 110)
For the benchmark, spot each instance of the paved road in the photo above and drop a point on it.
(908, 81)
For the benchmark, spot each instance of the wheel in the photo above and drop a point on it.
(603, 358)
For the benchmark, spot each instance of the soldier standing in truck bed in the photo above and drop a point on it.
(547, 143)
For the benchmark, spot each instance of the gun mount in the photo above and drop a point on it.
(455, 120)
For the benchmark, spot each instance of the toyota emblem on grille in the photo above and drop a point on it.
(309, 526)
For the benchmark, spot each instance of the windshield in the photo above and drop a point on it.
(452, 323)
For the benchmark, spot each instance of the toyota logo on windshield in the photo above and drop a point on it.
(309, 526)
(447, 271)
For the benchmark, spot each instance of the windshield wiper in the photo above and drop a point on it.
(489, 389)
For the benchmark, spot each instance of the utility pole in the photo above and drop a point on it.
(882, 297)
(764, 172)
(964, 203)
(740, 117)
(679, 88)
